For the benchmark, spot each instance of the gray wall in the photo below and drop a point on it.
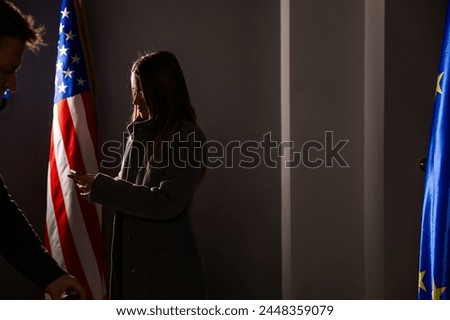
(345, 244)
(327, 94)
(230, 52)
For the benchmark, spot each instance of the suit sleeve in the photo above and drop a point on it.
(21, 246)
(165, 201)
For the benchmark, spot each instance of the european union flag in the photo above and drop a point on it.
(434, 266)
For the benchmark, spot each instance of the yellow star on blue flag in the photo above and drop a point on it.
(437, 292)
(438, 83)
(421, 283)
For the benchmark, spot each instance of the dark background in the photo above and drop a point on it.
(365, 70)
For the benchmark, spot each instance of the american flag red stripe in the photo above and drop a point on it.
(90, 117)
(73, 226)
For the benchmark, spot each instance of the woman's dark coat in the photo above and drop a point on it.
(154, 253)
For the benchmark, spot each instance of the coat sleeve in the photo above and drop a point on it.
(21, 246)
(161, 202)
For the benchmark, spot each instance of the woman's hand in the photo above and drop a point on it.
(83, 183)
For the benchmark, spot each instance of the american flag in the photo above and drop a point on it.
(73, 232)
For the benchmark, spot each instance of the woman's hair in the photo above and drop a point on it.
(165, 92)
(15, 24)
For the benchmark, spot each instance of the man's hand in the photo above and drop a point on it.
(64, 285)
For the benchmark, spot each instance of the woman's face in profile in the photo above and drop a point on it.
(139, 103)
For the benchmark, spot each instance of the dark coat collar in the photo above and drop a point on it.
(143, 128)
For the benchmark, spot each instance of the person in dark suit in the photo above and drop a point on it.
(19, 243)
(154, 252)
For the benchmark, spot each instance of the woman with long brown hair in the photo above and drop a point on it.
(154, 252)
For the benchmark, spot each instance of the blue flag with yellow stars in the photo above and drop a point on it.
(434, 266)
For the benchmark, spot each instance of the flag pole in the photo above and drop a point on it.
(85, 41)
